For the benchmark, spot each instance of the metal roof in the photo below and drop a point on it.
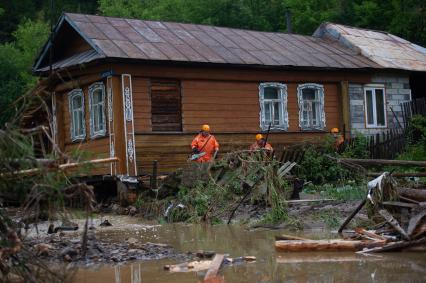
(76, 59)
(387, 50)
(166, 41)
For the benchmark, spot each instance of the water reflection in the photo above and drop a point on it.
(270, 266)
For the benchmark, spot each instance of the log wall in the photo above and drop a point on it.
(172, 150)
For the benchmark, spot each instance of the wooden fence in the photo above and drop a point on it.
(411, 108)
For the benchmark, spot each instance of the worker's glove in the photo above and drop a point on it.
(195, 151)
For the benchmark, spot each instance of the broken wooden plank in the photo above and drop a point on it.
(393, 222)
(370, 234)
(395, 246)
(414, 221)
(289, 237)
(352, 215)
(214, 267)
(192, 266)
(325, 245)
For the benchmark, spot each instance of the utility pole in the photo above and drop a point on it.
(52, 16)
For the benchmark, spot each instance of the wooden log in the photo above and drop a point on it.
(323, 257)
(214, 268)
(384, 162)
(415, 194)
(325, 245)
(64, 166)
(407, 174)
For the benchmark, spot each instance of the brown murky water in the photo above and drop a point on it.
(270, 266)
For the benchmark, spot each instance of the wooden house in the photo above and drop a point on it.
(140, 90)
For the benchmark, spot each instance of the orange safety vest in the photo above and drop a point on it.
(255, 146)
(207, 144)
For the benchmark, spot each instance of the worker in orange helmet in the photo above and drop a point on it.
(261, 144)
(204, 146)
(338, 138)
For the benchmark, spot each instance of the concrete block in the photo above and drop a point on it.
(358, 125)
(390, 91)
(356, 96)
(404, 79)
(397, 97)
(397, 85)
(404, 91)
(356, 102)
(407, 85)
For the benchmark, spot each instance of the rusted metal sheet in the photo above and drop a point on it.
(152, 52)
(77, 59)
(109, 48)
(154, 40)
(385, 49)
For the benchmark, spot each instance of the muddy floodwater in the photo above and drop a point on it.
(270, 266)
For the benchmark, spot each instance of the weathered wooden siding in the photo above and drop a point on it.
(142, 104)
(89, 148)
(172, 150)
(234, 106)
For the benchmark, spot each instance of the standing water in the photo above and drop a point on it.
(270, 266)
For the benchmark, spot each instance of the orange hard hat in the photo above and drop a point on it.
(334, 130)
(205, 128)
(259, 137)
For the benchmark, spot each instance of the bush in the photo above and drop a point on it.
(417, 129)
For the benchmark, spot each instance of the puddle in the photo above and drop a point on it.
(270, 266)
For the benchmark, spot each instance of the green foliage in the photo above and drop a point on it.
(417, 129)
(15, 64)
(331, 218)
(319, 168)
(349, 191)
(358, 149)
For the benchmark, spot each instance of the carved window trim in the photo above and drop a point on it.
(74, 115)
(102, 126)
(319, 91)
(282, 100)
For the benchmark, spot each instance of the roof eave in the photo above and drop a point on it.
(64, 18)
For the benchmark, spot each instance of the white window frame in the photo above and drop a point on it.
(373, 88)
(320, 90)
(71, 95)
(282, 93)
(102, 132)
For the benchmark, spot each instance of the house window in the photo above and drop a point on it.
(273, 106)
(76, 105)
(311, 107)
(97, 110)
(375, 107)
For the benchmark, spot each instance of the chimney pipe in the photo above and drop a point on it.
(288, 19)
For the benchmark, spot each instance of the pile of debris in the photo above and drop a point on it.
(238, 178)
(398, 212)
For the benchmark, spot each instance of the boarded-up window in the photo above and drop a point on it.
(166, 106)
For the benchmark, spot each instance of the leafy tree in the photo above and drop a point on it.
(16, 59)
